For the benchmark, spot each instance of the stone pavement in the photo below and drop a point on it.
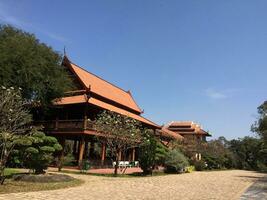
(198, 185)
(258, 191)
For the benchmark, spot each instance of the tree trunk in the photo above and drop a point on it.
(116, 166)
(117, 163)
(2, 169)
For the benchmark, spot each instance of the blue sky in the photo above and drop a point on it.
(204, 61)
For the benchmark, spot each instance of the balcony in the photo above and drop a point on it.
(74, 125)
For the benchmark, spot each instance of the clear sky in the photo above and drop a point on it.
(200, 60)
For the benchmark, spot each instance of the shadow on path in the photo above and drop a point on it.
(258, 191)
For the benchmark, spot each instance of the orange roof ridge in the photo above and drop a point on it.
(100, 77)
(130, 93)
(102, 87)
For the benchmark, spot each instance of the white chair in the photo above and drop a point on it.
(126, 163)
(121, 164)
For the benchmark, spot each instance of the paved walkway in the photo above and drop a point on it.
(258, 191)
(198, 185)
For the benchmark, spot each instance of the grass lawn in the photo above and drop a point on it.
(11, 186)
(10, 171)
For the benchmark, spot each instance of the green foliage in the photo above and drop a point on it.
(14, 116)
(244, 153)
(118, 128)
(190, 169)
(27, 63)
(120, 132)
(37, 154)
(161, 153)
(85, 166)
(249, 153)
(260, 127)
(31, 150)
(200, 165)
(68, 160)
(217, 155)
(175, 161)
(151, 153)
(14, 123)
(147, 153)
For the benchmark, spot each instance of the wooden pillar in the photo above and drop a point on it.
(81, 150)
(103, 153)
(86, 149)
(92, 148)
(128, 154)
(133, 154)
(85, 122)
(74, 149)
(85, 114)
(119, 157)
(56, 124)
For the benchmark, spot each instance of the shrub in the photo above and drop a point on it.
(200, 165)
(190, 169)
(151, 154)
(261, 167)
(69, 160)
(213, 162)
(37, 152)
(161, 153)
(175, 161)
(147, 154)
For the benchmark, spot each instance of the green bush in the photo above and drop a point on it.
(190, 169)
(175, 161)
(147, 154)
(213, 162)
(69, 160)
(200, 165)
(261, 167)
(152, 153)
(37, 152)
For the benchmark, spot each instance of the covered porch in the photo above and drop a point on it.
(85, 143)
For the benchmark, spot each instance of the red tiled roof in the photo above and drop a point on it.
(82, 99)
(167, 133)
(186, 128)
(103, 88)
(70, 100)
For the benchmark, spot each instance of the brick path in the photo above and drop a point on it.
(198, 185)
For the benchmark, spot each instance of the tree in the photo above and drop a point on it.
(36, 151)
(118, 132)
(151, 153)
(147, 153)
(189, 147)
(14, 123)
(27, 63)
(249, 153)
(175, 161)
(216, 154)
(260, 126)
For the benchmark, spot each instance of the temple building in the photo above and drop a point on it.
(188, 129)
(74, 115)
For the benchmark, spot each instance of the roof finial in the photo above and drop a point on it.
(64, 50)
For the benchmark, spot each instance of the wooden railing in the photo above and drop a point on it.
(67, 125)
